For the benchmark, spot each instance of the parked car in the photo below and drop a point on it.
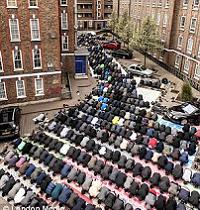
(140, 70)
(121, 53)
(10, 122)
(185, 113)
(112, 45)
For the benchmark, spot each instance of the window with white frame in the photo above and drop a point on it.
(182, 22)
(20, 87)
(185, 3)
(196, 3)
(63, 2)
(11, 3)
(186, 66)
(14, 29)
(17, 59)
(37, 58)
(65, 44)
(39, 88)
(165, 20)
(197, 70)
(35, 29)
(189, 45)
(180, 42)
(167, 3)
(33, 3)
(193, 24)
(3, 94)
(158, 19)
(177, 61)
(64, 20)
(1, 63)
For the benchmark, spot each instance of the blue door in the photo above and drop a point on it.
(80, 65)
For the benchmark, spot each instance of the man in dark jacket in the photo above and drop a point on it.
(143, 191)
(8, 186)
(137, 170)
(120, 179)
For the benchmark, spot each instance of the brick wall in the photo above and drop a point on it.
(47, 13)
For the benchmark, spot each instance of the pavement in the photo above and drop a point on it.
(82, 87)
(172, 90)
(79, 89)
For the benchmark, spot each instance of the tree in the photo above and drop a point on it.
(113, 22)
(122, 23)
(127, 33)
(186, 92)
(147, 38)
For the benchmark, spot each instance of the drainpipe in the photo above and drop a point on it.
(118, 8)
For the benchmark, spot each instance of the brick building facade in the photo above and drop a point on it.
(93, 14)
(178, 21)
(37, 45)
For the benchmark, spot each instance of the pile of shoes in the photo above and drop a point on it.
(154, 83)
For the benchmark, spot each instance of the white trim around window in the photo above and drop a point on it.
(35, 29)
(1, 63)
(190, 45)
(3, 94)
(180, 42)
(20, 88)
(186, 66)
(39, 87)
(14, 29)
(64, 20)
(19, 59)
(177, 61)
(33, 4)
(37, 58)
(65, 43)
(197, 71)
(63, 2)
(11, 3)
(193, 24)
(195, 3)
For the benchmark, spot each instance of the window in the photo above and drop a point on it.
(14, 30)
(37, 59)
(63, 2)
(11, 3)
(197, 70)
(177, 61)
(17, 59)
(64, 20)
(1, 63)
(189, 45)
(196, 3)
(185, 3)
(3, 94)
(33, 3)
(167, 3)
(35, 31)
(182, 22)
(158, 19)
(186, 66)
(64, 43)
(165, 20)
(180, 42)
(193, 24)
(39, 89)
(20, 89)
